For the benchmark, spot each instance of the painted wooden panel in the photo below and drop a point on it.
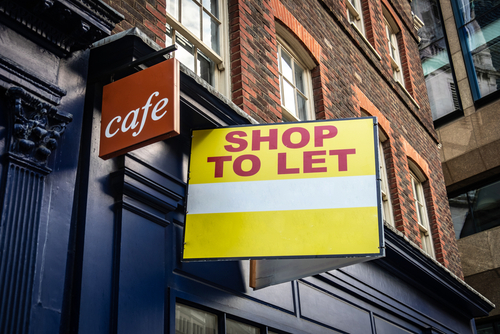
(383, 326)
(141, 294)
(324, 308)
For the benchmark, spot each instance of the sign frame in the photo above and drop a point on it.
(140, 109)
(360, 256)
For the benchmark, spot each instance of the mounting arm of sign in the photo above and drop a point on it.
(142, 60)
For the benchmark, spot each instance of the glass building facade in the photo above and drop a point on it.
(439, 78)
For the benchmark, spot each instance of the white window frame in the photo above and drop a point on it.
(355, 14)
(288, 44)
(391, 31)
(220, 75)
(387, 213)
(422, 214)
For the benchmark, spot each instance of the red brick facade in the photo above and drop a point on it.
(349, 77)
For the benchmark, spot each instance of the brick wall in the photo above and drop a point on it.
(147, 15)
(349, 77)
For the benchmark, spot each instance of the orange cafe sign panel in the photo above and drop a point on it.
(140, 109)
(285, 191)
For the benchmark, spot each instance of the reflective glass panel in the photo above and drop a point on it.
(211, 32)
(438, 75)
(185, 53)
(205, 67)
(439, 79)
(191, 17)
(288, 97)
(173, 8)
(168, 35)
(212, 6)
(428, 12)
(301, 107)
(286, 66)
(299, 78)
(236, 327)
(485, 329)
(472, 9)
(189, 320)
(476, 210)
(354, 3)
(481, 33)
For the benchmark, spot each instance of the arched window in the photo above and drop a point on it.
(391, 30)
(417, 177)
(387, 214)
(355, 14)
(198, 29)
(294, 66)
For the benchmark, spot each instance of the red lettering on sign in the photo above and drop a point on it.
(230, 137)
(237, 166)
(309, 161)
(343, 157)
(219, 164)
(287, 137)
(282, 169)
(319, 134)
(272, 139)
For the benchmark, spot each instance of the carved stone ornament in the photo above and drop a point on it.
(37, 126)
(62, 26)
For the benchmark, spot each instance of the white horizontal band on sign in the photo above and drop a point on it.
(279, 195)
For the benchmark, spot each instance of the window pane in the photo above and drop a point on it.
(351, 17)
(205, 67)
(301, 107)
(483, 40)
(173, 8)
(189, 320)
(168, 35)
(459, 207)
(427, 11)
(439, 79)
(185, 53)
(288, 97)
(299, 78)
(191, 17)
(472, 9)
(212, 6)
(286, 66)
(486, 60)
(476, 210)
(211, 32)
(235, 327)
(354, 3)
(485, 329)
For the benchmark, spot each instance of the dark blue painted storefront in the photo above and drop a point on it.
(93, 246)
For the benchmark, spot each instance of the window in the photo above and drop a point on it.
(439, 77)
(355, 14)
(488, 326)
(478, 24)
(422, 216)
(391, 31)
(387, 215)
(196, 27)
(476, 210)
(236, 327)
(190, 320)
(295, 85)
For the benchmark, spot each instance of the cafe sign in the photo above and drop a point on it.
(140, 109)
(284, 191)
